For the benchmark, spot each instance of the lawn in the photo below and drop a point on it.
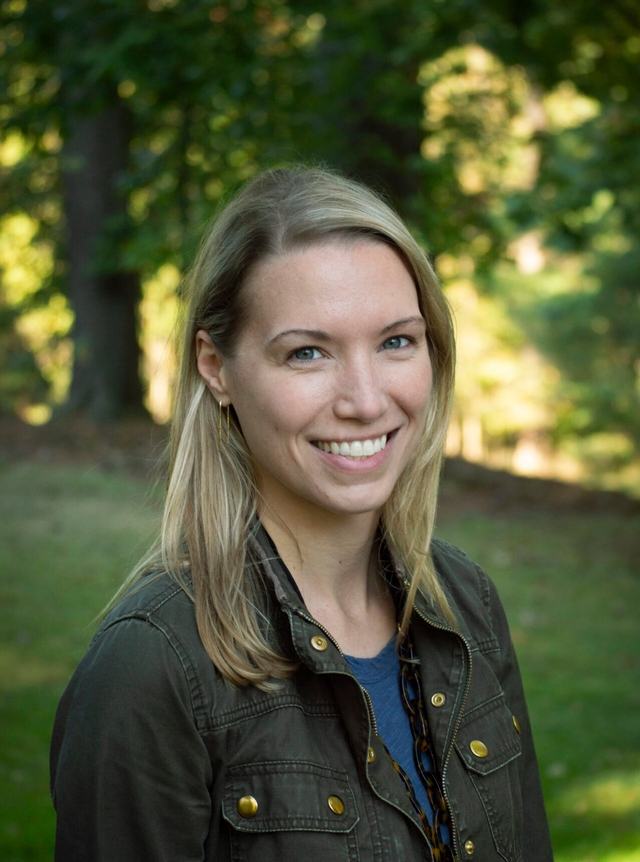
(570, 584)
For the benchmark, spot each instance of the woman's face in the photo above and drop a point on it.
(331, 376)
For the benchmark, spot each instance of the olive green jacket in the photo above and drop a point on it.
(156, 759)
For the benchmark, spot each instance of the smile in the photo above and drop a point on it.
(355, 449)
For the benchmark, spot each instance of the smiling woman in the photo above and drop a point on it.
(298, 669)
(366, 375)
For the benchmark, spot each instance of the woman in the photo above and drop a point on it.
(300, 671)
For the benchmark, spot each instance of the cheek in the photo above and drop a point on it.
(426, 387)
(415, 390)
(269, 410)
(246, 402)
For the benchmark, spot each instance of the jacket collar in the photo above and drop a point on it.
(277, 573)
(289, 596)
(285, 588)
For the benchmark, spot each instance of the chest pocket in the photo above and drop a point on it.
(489, 745)
(282, 809)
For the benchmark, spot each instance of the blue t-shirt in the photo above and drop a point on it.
(380, 676)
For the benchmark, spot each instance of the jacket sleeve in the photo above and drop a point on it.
(130, 774)
(536, 838)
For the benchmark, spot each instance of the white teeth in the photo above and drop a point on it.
(356, 449)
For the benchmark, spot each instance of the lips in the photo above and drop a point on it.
(355, 448)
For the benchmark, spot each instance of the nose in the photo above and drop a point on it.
(360, 393)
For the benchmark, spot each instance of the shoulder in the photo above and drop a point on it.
(129, 734)
(459, 574)
(471, 593)
(148, 648)
(161, 607)
(154, 597)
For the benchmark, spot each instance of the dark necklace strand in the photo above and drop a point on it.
(413, 701)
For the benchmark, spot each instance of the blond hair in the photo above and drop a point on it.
(211, 495)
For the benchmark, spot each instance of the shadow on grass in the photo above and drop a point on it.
(27, 819)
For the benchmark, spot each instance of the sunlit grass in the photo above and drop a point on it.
(613, 795)
(609, 799)
(570, 585)
(595, 854)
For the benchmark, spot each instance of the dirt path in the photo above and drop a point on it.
(136, 446)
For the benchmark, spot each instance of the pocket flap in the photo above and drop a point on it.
(488, 738)
(288, 795)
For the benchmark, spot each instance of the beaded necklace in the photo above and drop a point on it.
(413, 702)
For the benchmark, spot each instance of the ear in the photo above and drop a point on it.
(211, 365)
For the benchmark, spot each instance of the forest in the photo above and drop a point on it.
(507, 135)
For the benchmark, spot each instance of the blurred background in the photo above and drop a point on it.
(508, 136)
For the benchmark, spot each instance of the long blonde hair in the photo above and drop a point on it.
(211, 495)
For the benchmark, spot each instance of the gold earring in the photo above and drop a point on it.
(221, 408)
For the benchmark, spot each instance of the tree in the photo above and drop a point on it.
(444, 106)
(159, 107)
(104, 295)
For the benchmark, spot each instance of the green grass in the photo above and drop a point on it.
(570, 585)
(571, 588)
(67, 538)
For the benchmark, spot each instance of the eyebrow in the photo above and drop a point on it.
(315, 334)
(417, 318)
(320, 335)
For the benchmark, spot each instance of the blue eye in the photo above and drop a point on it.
(395, 342)
(306, 354)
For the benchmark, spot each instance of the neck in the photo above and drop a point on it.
(334, 561)
(324, 554)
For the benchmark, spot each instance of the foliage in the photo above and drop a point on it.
(505, 134)
(588, 203)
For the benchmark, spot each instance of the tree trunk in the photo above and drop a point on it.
(104, 297)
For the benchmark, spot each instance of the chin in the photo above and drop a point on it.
(356, 507)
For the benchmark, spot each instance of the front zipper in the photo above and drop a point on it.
(310, 619)
(457, 724)
(372, 715)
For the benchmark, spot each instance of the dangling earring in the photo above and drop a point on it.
(221, 408)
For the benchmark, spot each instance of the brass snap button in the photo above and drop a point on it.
(247, 806)
(478, 748)
(438, 699)
(515, 723)
(319, 643)
(469, 847)
(371, 755)
(336, 804)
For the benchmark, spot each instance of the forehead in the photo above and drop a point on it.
(332, 282)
